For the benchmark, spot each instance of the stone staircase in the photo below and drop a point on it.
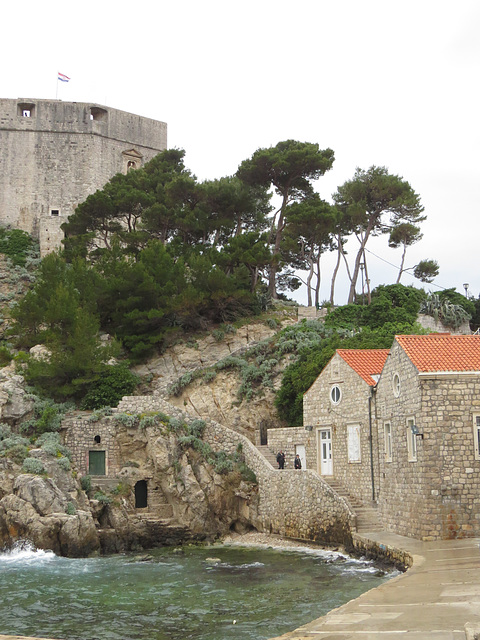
(367, 516)
(268, 455)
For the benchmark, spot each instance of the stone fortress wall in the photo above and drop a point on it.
(55, 154)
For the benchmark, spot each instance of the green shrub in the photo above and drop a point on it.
(64, 463)
(33, 465)
(86, 483)
(6, 356)
(16, 244)
(112, 385)
(17, 453)
(98, 414)
(197, 427)
(102, 497)
(71, 510)
(127, 419)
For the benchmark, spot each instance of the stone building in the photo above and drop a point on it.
(428, 420)
(402, 431)
(55, 154)
(339, 410)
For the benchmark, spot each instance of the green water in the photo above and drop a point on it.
(175, 596)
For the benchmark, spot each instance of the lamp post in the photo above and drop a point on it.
(465, 286)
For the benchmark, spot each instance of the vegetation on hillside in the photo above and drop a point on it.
(156, 253)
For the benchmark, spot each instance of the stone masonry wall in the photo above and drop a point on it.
(351, 411)
(80, 435)
(62, 152)
(287, 438)
(438, 495)
(293, 504)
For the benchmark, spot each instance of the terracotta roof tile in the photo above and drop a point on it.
(366, 362)
(442, 352)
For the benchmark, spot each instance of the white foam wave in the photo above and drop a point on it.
(25, 551)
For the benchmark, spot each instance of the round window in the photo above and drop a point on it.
(396, 385)
(335, 394)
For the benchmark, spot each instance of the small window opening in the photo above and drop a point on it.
(141, 494)
(131, 165)
(98, 114)
(54, 212)
(25, 110)
(97, 439)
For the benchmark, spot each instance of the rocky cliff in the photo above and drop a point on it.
(218, 398)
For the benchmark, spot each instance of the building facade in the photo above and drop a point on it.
(54, 154)
(428, 420)
(338, 409)
(405, 432)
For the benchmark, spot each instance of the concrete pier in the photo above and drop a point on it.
(438, 598)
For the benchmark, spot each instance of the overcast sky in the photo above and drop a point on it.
(381, 82)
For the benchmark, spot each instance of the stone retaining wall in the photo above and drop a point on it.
(294, 504)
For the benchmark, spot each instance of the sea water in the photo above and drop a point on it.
(201, 593)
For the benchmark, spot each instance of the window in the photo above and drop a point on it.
(387, 435)
(25, 110)
(353, 443)
(98, 114)
(396, 385)
(476, 435)
(411, 440)
(335, 394)
(54, 212)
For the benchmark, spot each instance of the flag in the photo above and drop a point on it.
(62, 77)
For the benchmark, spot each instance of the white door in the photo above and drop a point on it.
(325, 448)
(300, 449)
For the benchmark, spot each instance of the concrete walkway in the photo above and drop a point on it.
(433, 600)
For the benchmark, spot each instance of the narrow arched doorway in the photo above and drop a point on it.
(141, 494)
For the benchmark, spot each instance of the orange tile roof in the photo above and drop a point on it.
(366, 362)
(442, 352)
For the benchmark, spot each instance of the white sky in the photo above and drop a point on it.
(384, 82)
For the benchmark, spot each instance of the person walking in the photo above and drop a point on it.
(298, 463)
(281, 460)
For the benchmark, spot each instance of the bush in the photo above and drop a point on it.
(71, 510)
(86, 483)
(17, 453)
(33, 465)
(113, 383)
(127, 419)
(197, 428)
(64, 463)
(101, 497)
(16, 244)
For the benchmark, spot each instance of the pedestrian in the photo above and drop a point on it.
(281, 459)
(298, 462)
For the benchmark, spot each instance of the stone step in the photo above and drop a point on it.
(367, 515)
(268, 455)
(156, 511)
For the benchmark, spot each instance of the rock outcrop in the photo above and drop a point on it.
(34, 508)
(188, 499)
(218, 399)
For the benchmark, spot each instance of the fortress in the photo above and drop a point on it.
(54, 154)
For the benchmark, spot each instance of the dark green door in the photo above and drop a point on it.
(96, 463)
